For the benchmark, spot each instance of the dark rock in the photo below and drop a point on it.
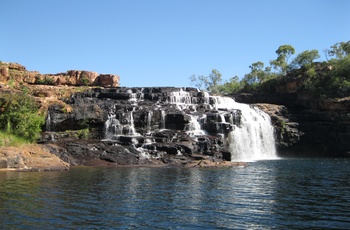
(133, 124)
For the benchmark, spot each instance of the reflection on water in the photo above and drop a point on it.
(299, 193)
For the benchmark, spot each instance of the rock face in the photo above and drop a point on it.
(323, 125)
(172, 126)
(18, 73)
(30, 158)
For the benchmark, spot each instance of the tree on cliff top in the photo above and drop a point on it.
(304, 59)
(210, 83)
(284, 52)
(339, 50)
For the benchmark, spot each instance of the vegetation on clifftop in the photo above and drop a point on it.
(327, 79)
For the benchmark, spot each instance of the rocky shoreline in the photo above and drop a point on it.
(43, 157)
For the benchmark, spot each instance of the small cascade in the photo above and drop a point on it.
(142, 95)
(194, 128)
(206, 97)
(162, 121)
(132, 131)
(114, 128)
(133, 96)
(48, 122)
(182, 100)
(52, 136)
(180, 97)
(149, 120)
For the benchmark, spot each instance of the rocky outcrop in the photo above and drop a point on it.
(137, 126)
(19, 74)
(323, 124)
(30, 158)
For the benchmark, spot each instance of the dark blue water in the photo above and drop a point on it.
(283, 194)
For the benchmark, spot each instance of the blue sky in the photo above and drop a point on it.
(164, 42)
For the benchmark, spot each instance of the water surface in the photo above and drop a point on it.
(286, 193)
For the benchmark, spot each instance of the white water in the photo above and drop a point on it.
(149, 121)
(114, 128)
(48, 122)
(194, 128)
(180, 97)
(254, 138)
(162, 122)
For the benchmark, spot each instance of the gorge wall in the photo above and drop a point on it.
(308, 126)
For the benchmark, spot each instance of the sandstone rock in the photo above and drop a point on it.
(4, 72)
(30, 158)
(107, 80)
(16, 66)
(71, 77)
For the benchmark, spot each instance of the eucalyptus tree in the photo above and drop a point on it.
(339, 50)
(210, 83)
(284, 52)
(305, 59)
(258, 74)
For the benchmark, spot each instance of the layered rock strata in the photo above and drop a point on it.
(18, 73)
(123, 126)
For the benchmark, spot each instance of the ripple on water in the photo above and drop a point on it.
(286, 193)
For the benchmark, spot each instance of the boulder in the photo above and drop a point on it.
(107, 80)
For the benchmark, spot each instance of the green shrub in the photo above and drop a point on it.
(19, 116)
(45, 81)
(11, 140)
(83, 133)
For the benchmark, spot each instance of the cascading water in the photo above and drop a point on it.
(162, 119)
(246, 131)
(193, 127)
(149, 121)
(254, 138)
(114, 128)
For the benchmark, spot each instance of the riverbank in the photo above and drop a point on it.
(31, 157)
(37, 157)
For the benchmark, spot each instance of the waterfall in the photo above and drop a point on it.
(254, 138)
(246, 132)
